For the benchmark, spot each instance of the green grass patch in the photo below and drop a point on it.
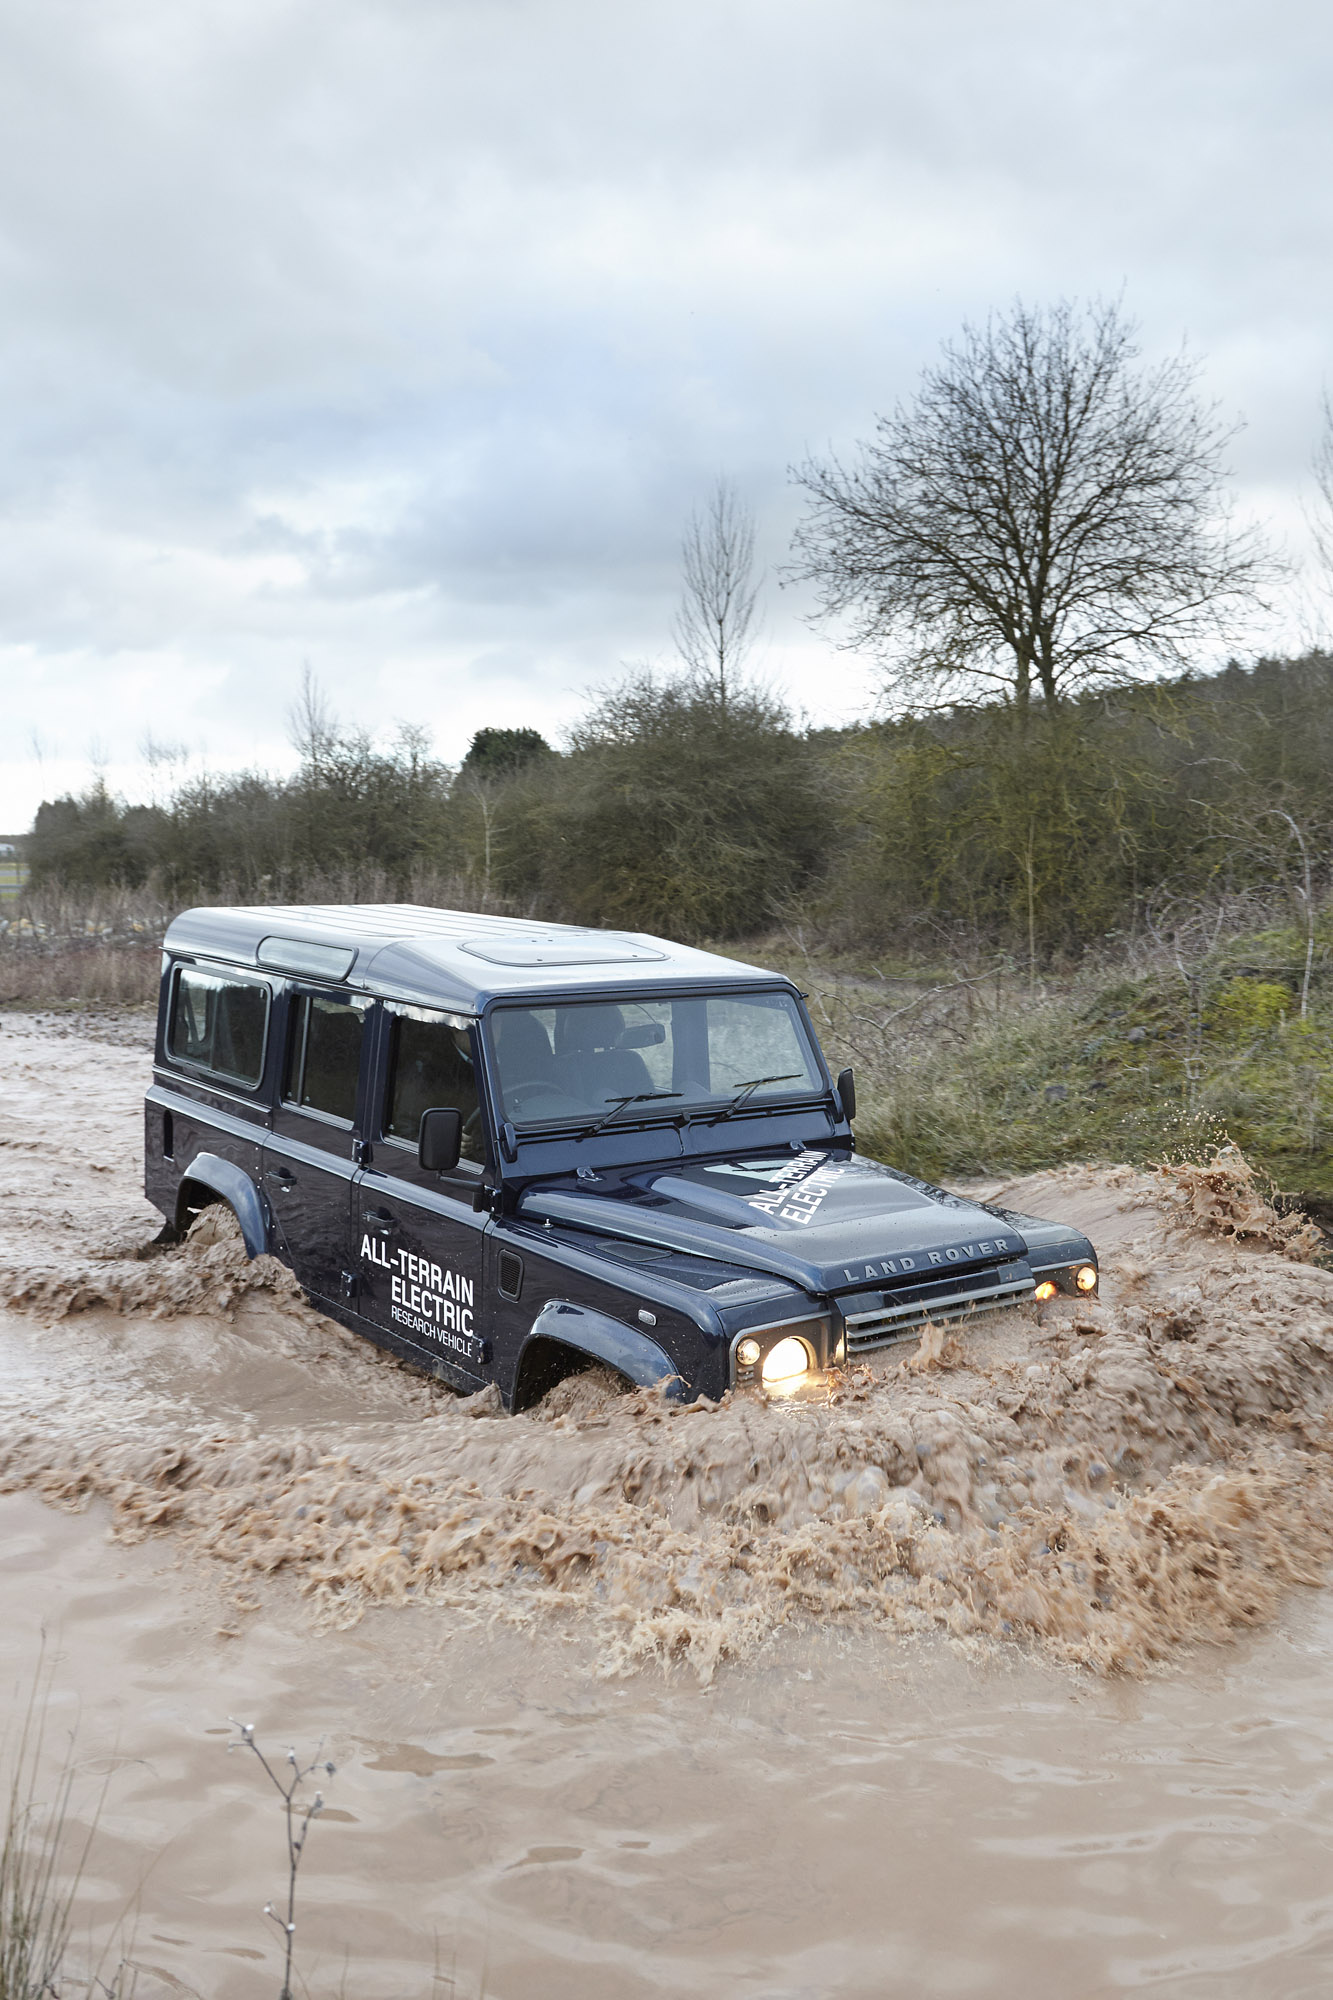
(1135, 1069)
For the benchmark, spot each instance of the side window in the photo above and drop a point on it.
(324, 1056)
(430, 1065)
(219, 1024)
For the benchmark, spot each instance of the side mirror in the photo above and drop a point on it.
(440, 1141)
(847, 1094)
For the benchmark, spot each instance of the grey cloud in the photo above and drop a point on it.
(403, 333)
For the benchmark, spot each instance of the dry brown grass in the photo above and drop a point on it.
(102, 947)
(71, 974)
(99, 948)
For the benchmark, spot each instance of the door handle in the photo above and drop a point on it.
(280, 1177)
(382, 1222)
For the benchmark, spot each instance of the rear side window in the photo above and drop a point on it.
(219, 1024)
(324, 1056)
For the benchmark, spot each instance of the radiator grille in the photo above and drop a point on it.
(884, 1324)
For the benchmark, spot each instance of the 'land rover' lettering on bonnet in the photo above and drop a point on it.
(961, 1253)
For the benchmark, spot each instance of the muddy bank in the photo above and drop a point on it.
(1104, 1481)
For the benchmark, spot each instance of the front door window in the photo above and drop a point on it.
(430, 1068)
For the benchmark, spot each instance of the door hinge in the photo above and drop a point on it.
(351, 1284)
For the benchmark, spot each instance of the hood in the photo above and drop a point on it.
(829, 1222)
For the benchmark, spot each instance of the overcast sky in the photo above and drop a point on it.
(400, 336)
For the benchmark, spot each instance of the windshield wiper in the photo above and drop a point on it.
(742, 1095)
(618, 1104)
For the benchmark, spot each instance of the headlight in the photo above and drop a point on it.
(1047, 1289)
(786, 1360)
(1086, 1278)
(748, 1353)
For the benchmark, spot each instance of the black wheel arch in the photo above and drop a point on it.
(209, 1179)
(565, 1338)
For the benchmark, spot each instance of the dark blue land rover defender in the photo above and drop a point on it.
(505, 1151)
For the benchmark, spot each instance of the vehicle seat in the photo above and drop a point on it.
(524, 1048)
(596, 1068)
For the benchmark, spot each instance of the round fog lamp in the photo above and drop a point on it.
(1085, 1278)
(748, 1353)
(786, 1360)
(1047, 1289)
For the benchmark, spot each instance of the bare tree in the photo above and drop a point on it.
(312, 727)
(165, 758)
(714, 627)
(1043, 518)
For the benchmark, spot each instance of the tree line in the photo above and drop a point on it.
(674, 811)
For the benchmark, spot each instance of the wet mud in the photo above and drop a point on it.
(1102, 1480)
(628, 1702)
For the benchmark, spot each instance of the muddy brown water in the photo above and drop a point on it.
(1004, 1674)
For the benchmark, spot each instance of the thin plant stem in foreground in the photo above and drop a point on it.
(297, 1814)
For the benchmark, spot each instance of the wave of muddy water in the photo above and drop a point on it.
(860, 1804)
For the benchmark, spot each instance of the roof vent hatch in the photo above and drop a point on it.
(589, 948)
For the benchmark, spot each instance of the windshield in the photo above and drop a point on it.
(594, 1059)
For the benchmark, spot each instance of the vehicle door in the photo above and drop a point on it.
(419, 1238)
(310, 1157)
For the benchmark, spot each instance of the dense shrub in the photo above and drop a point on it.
(672, 813)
